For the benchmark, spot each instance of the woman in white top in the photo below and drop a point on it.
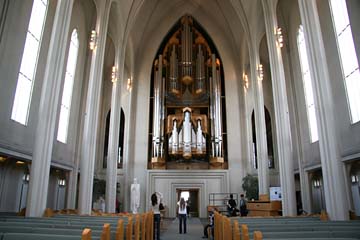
(155, 202)
(182, 215)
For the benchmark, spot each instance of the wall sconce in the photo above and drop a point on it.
(61, 182)
(26, 177)
(354, 179)
(317, 183)
(129, 84)
(279, 38)
(260, 72)
(246, 81)
(113, 74)
(93, 39)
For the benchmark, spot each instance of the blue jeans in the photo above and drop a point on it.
(157, 226)
(182, 220)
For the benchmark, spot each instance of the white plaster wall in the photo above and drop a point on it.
(138, 156)
(11, 187)
(310, 151)
(349, 134)
(14, 136)
(65, 153)
(168, 181)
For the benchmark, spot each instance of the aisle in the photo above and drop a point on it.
(194, 230)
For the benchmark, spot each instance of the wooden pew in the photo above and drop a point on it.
(244, 232)
(129, 229)
(120, 230)
(86, 234)
(258, 235)
(236, 231)
(137, 227)
(105, 235)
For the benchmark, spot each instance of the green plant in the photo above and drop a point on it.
(251, 187)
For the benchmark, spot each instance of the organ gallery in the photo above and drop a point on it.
(187, 101)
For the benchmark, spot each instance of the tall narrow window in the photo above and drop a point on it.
(309, 96)
(25, 82)
(349, 61)
(68, 88)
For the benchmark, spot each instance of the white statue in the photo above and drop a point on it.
(101, 204)
(135, 197)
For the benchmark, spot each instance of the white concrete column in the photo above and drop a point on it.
(45, 130)
(332, 167)
(259, 114)
(111, 170)
(71, 188)
(281, 108)
(92, 111)
(305, 188)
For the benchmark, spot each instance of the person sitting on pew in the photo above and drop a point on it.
(209, 225)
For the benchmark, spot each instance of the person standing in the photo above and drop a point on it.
(155, 202)
(243, 208)
(231, 206)
(182, 214)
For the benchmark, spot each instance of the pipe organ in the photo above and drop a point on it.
(187, 100)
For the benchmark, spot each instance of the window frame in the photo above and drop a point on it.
(353, 99)
(307, 85)
(18, 113)
(66, 99)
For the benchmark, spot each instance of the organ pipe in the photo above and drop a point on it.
(216, 109)
(186, 49)
(174, 71)
(200, 71)
(158, 111)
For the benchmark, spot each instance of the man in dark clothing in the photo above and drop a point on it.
(231, 206)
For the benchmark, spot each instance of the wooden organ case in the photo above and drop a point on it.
(187, 103)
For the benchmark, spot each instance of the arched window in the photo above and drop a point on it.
(307, 83)
(26, 77)
(68, 88)
(348, 58)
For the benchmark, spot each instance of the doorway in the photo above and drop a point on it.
(191, 196)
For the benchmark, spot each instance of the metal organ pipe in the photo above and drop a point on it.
(162, 115)
(175, 137)
(219, 112)
(199, 137)
(187, 135)
(186, 49)
(200, 70)
(173, 70)
(183, 47)
(158, 110)
(216, 105)
(212, 125)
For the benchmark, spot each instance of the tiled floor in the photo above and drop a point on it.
(195, 229)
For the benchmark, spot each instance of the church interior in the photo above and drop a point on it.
(188, 98)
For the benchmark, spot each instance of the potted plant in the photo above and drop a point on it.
(251, 187)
